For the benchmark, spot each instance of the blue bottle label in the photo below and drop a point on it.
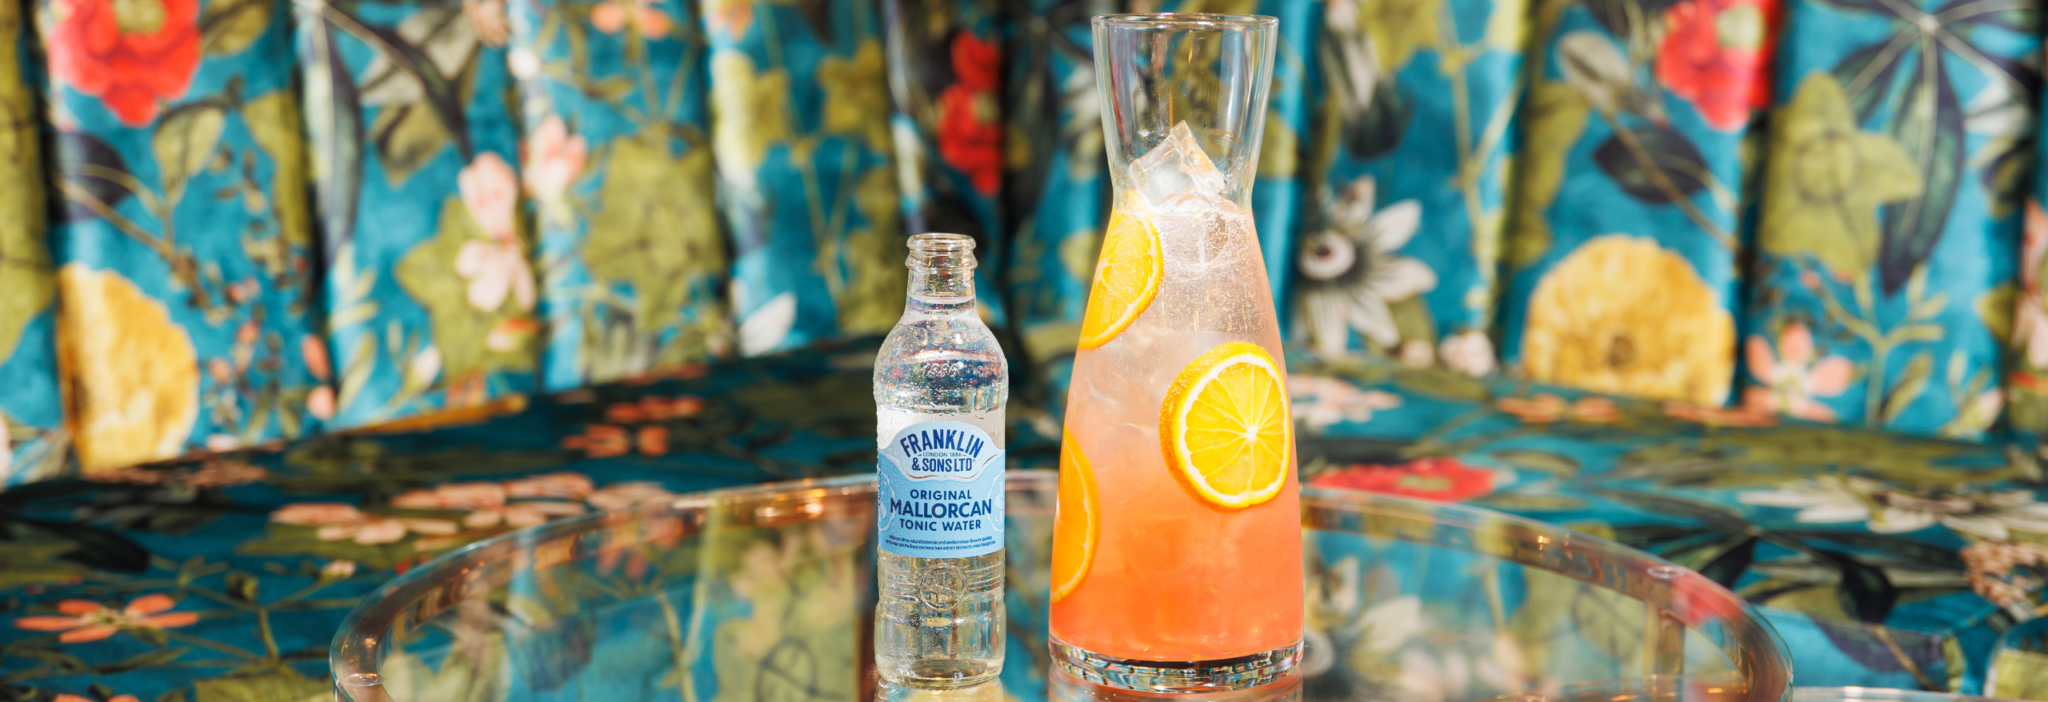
(941, 492)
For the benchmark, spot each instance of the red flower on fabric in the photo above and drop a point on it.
(133, 55)
(970, 137)
(1437, 479)
(1716, 54)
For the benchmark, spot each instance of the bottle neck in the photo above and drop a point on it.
(941, 290)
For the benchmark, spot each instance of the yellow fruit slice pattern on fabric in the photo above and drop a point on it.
(1225, 427)
(1127, 277)
(1076, 522)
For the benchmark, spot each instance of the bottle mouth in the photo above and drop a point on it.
(941, 250)
(1170, 21)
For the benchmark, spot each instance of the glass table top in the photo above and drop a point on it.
(766, 594)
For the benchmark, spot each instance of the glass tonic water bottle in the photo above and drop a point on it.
(940, 385)
(1177, 540)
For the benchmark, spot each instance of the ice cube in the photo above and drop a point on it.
(1176, 165)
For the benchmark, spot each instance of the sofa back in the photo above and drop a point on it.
(237, 222)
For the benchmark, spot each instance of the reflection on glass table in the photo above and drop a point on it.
(766, 594)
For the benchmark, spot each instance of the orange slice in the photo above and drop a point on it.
(1225, 426)
(1127, 277)
(1076, 520)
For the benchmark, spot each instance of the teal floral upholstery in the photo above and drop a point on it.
(1892, 318)
(183, 240)
(429, 285)
(294, 296)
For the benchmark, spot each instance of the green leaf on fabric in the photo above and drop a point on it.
(273, 120)
(27, 284)
(1441, 384)
(656, 227)
(427, 273)
(1556, 117)
(148, 659)
(230, 26)
(274, 687)
(171, 696)
(873, 259)
(334, 125)
(1865, 593)
(1652, 163)
(1929, 122)
(184, 143)
(1907, 388)
(28, 562)
(2017, 674)
(1995, 309)
(1557, 464)
(406, 138)
(1829, 177)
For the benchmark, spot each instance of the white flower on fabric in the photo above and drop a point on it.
(765, 328)
(495, 270)
(424, 368)
(1320, 402)
(1468, 352)
(1351, 273)
(1834, 499)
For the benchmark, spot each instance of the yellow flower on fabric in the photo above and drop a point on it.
(750, 112)
(1827, 178)
(1622, 315)
(133, 372)
(857, 94)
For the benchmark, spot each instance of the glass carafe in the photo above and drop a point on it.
(1177, 550)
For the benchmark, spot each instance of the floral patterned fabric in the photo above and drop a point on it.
(1401, 222)
(430, 287)
(1630, 191)
(618, 166)
(1883, 560)
(182, 234)
(800, 131)
(35, 441)
(1890, 212)
(948, 129)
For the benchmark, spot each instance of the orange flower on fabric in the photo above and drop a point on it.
(76, 698)
(612, 16)
(1716, 55)
(91, 621)
(1438, 479)
(600, 441)
(134, 55)
(970, 136)
(1545, 408)
(653, 409)
(339, 521)
(1746, 417)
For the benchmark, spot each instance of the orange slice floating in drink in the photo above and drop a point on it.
(1225, 426)
(1076, 521)
(1127, 277)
